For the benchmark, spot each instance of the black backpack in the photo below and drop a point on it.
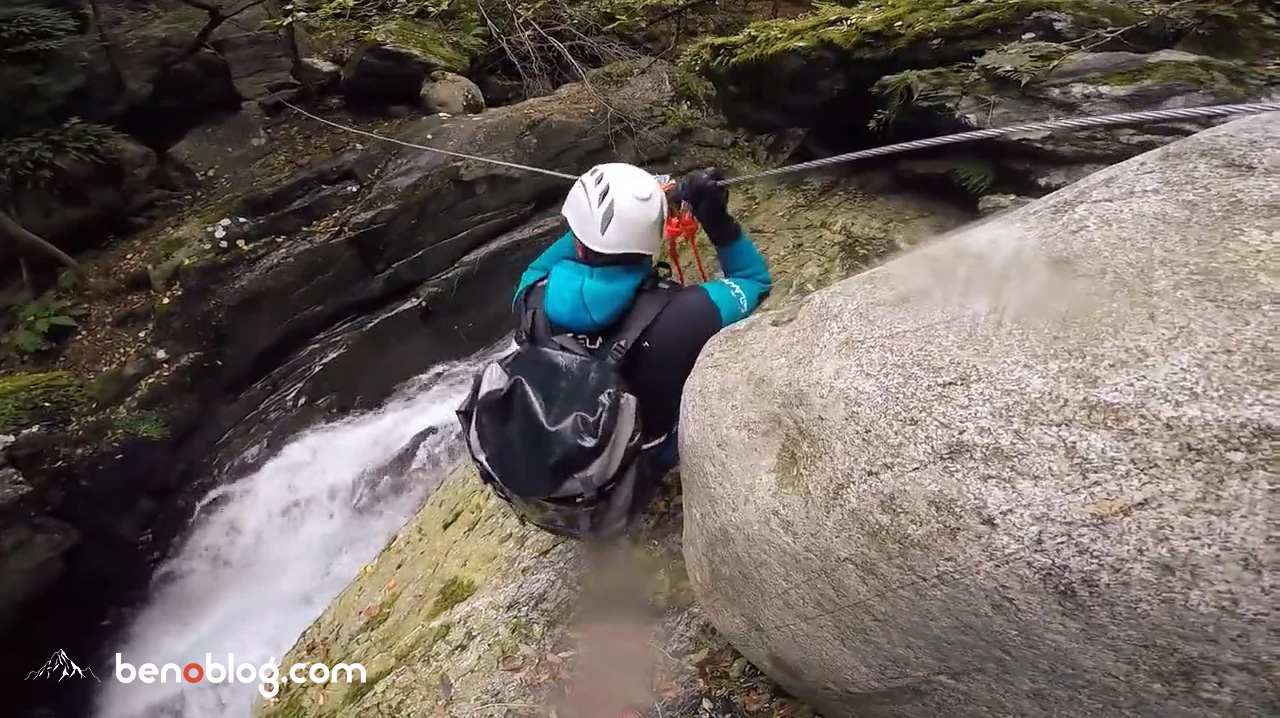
(553, 427)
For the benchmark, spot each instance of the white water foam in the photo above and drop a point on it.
(268, 552)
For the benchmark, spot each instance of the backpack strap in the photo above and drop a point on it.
(534, 326)
(649, 304)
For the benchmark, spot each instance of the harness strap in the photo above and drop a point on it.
(649, 304)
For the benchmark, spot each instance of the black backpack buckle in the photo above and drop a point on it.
(617, 351)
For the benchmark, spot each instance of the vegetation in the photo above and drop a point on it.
(454, 591)
(31, 325)
(880, 29)
(543, 43)
(143, 424)
(39, 127)
(29, 398)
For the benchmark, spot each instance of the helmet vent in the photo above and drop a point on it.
(606, 218)
(599, 177)
(603, 195)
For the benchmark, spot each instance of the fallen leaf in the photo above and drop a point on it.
(512, 662)
(754, 702)
(668, 689)
(390, 585)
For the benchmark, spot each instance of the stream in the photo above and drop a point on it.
(267, 553)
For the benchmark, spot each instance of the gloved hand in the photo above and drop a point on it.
(709, 202)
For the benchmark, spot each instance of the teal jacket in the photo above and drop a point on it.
(586, 299)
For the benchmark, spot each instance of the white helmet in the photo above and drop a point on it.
(617, 208)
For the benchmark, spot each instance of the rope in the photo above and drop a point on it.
(1073, 123)
(490, 160)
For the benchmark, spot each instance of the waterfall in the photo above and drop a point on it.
(269, 551)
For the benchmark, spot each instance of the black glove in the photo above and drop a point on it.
(709, 201)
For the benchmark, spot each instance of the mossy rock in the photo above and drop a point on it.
(879, 30)
(450, 47)
(31, 398)
(1234, 29)
(1228, 81)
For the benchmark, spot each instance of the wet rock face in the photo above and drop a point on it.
(1021, 470)
(393, 220)
(260, 61)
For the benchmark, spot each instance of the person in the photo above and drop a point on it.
(616, 213)
(575, 427)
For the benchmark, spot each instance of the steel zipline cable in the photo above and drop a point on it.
(490, 160)
(1074, 123)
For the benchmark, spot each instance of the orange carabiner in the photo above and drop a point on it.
(682, 224)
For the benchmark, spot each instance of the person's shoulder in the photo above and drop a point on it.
(689, 313)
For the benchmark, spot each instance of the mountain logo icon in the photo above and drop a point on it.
(59, 666)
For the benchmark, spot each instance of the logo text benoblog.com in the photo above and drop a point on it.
(268, 676)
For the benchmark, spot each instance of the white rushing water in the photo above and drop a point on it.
(268, 552)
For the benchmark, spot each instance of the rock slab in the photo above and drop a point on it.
(1023, 470)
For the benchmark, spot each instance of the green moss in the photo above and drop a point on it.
(1244, 29)
(142, 423)
(1228, 80)
(453, 47)
(31, 398)
(880, 29)
(454, 591)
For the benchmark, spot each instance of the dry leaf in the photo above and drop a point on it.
(554, 659)
(754, 702)
(390, 585)
(513, 662)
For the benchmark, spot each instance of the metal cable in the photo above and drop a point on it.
(1073, 123)
(1068, 123)
(514, 165)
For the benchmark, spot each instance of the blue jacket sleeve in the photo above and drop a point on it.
(539, 268)
(745, 284)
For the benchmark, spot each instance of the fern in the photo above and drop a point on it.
(898, 91)
(974, 176)
(1021, 62)
(31, 324)
(28, 30)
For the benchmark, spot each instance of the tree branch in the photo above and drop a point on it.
(217, 16)
(11, 231)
